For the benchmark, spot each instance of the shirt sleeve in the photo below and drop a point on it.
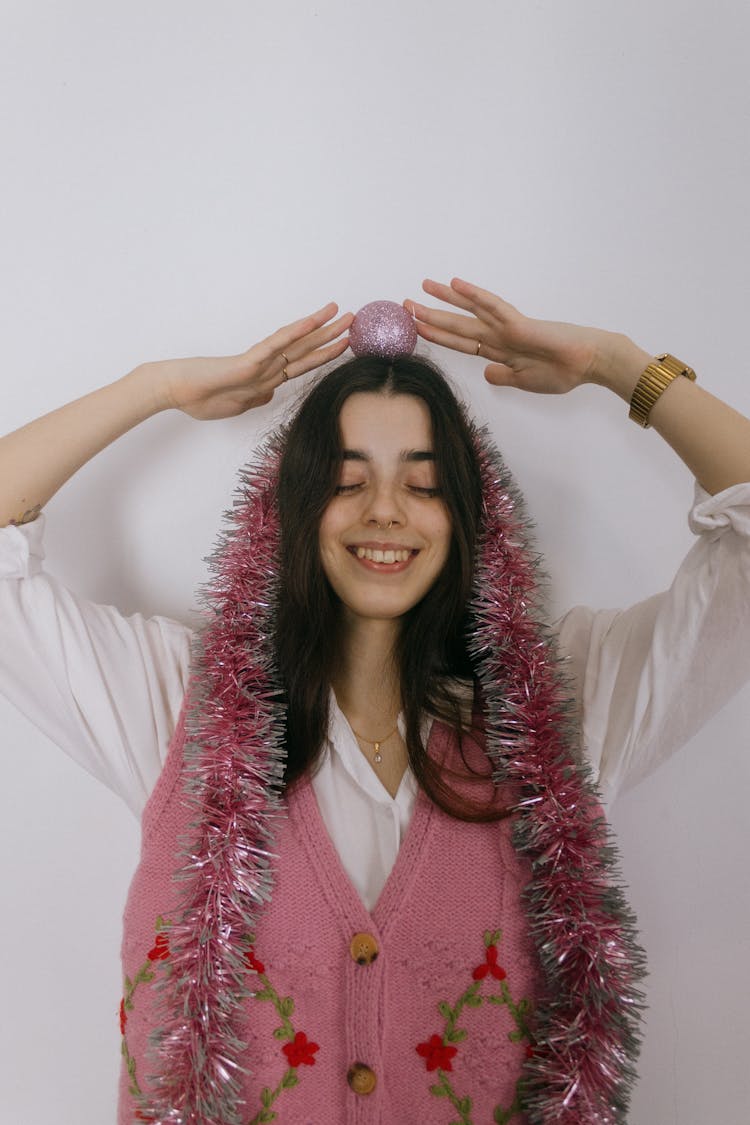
(105, 687)
(647, 678)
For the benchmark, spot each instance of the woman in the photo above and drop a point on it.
(476, 961)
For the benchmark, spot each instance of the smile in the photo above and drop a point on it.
(390, 559)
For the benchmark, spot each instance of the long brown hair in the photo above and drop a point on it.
(431, 654)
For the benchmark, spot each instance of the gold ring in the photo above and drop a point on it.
(286, 357)
(284, 374)
(479, 344)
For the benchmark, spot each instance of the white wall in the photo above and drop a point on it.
(181, 178)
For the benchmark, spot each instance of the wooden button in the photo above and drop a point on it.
(361, 1078)
(363, 948)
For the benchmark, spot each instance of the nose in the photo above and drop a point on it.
(384, 510)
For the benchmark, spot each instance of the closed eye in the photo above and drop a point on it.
(340, 488)
(424, 491)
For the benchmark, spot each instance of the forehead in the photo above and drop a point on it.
(373, 422)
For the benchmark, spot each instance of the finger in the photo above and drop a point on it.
(500, 375)
(450, 296)
(483, 299)
(279, 341)
(311, 360)
(458, 343)
(320, 336)
(445, 293)
(451, 322)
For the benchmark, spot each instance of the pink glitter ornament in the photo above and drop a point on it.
(383, 328)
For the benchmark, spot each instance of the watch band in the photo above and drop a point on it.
(653, 382)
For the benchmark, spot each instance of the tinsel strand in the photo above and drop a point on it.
(588, 1026)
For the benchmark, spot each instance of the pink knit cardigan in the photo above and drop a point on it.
(421, 1011)
(240, 916)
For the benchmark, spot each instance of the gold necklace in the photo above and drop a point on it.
(377, 743)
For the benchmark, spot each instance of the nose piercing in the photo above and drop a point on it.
(383, 526)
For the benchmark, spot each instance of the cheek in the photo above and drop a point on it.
(328, 536)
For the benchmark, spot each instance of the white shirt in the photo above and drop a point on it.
(107, 688)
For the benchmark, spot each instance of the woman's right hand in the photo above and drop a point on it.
(225, 386)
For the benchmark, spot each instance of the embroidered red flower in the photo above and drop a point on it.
(300, 1051)
(530, 1052)
(436, 1053)
(490, 966)
(253, 962)
(123, 1017)
(160, 952)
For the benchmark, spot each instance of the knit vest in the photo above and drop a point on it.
(419, 1011)
(497, 975)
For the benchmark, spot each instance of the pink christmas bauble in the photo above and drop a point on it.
(383, 328)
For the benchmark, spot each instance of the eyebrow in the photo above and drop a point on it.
(407, 455)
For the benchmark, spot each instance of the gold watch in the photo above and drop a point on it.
(653, 382)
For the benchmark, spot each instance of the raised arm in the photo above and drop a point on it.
(37, 459)
(551, 357)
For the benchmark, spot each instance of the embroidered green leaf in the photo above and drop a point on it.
(445, 1009)
(128, 984)
(495, 999)
(464, 1106)
(523, 1006)
(286, 1007)
(473, 1000)
(266, 1097)
(503, 1116)
(514, 1036)
(264, 994)
(282, 1033)
(290, 1079)
(439, 1091)
(267, 1115)
(492, 937)
(455, 1035)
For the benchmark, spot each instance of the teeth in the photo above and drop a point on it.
(382, 556)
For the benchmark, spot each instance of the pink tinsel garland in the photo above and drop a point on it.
(588, 1024)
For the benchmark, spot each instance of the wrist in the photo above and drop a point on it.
(150, 390)
(619, 364)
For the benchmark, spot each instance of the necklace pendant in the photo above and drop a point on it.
(378, 755)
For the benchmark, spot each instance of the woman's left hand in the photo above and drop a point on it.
(545, 356)
(551, 357)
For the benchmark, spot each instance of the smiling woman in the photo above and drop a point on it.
(387, 517)
(376, 881)
(379, 458)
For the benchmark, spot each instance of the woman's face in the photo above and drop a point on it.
(385, 536)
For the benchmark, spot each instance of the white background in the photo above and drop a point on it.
(182, 178)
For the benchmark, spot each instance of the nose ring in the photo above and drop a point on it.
(383, 526)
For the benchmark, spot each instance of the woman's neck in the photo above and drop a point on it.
(366, 682)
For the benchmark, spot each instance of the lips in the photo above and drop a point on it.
(383, 557)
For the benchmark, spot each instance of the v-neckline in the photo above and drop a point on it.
(340, 890)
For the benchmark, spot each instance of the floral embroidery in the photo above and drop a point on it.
(298, 1049)
(253, 962)
(160, 952)
(437, 1054)
(490, 966)
(438, 1051)
(301, 1051)
(145, 974)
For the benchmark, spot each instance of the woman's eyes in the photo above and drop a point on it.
(343, 489)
